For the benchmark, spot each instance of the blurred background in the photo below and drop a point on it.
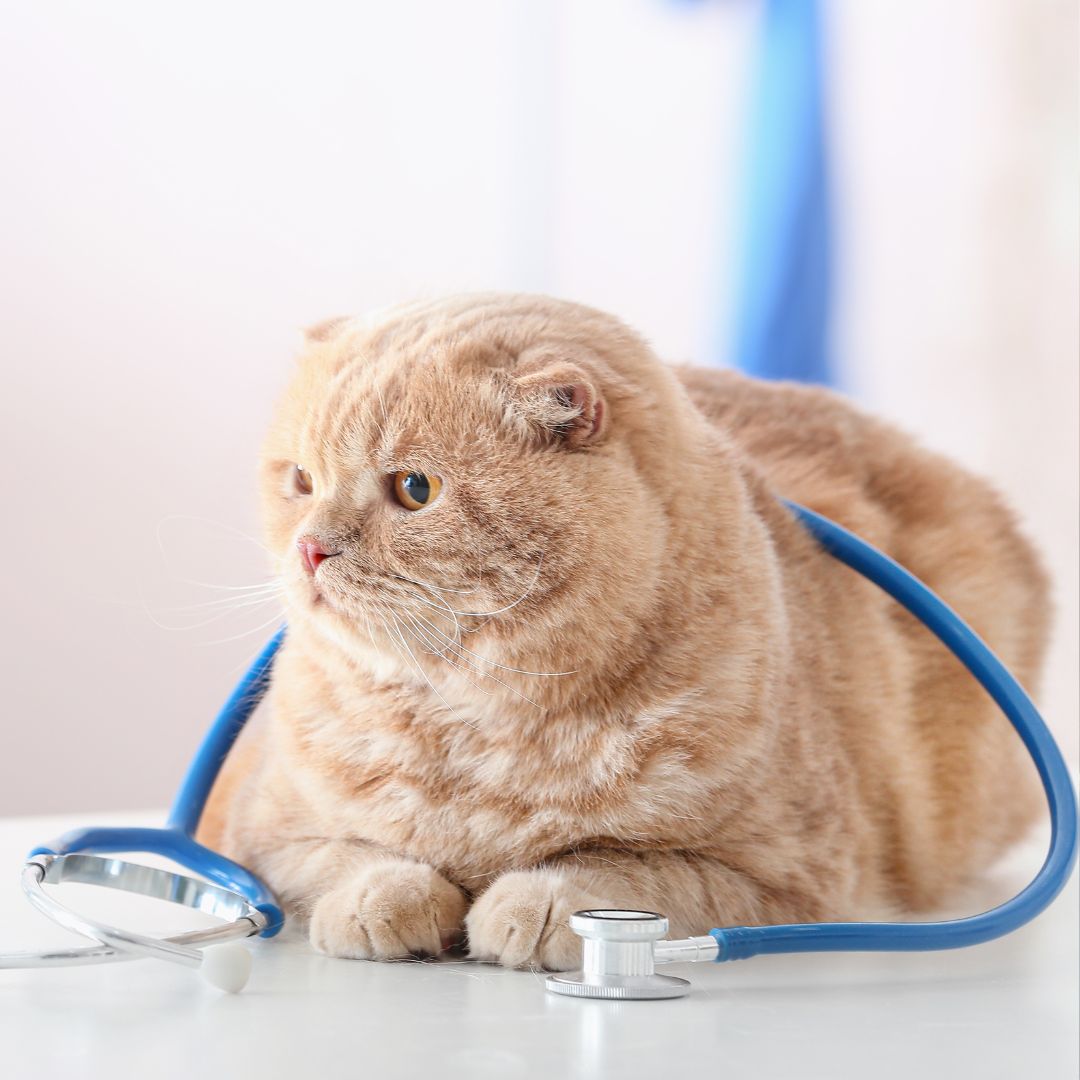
(186, 186)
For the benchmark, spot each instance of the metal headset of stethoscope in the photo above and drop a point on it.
(620, 948)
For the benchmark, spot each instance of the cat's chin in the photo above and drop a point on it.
(309, 597)
(354, 641)
(321, 606)
(342, 622)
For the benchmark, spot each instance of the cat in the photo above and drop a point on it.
(554, 643)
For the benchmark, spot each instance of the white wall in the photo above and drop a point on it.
(957, 170)
(185, 186)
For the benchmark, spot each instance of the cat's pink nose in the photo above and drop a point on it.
(312, 552)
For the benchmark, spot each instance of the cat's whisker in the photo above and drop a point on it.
(274, 583)
(438, 601)
(382, 404)
(436, 588)
(229, 602)
(432, 647)
(159, 538)
(420, 670)
(370, 629)
(269, 590)
(385, 416)
(398, 642)
(219, 616)
(487, 660)
(212, 521)
(390, 637)
(485, 675)
(423, 627)
(277, 618)
(443, 656)
(512, 604)
(234, 607)
(443, 606)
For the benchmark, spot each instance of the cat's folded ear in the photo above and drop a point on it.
(326, 330)
(561, 400)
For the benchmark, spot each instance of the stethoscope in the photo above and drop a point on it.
(224, 889)
(620, 949)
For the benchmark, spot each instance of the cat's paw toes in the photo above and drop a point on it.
(523, 921)
(388, 910)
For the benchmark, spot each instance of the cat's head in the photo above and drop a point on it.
(488, 472)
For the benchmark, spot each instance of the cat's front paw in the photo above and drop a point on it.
(388, 910)
(523, 921)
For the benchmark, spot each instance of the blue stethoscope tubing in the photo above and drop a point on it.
(176, 841)
(741, 942)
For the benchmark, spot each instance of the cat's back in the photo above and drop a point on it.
(815, 447)
(952, 530)
(812, 446)
(943, 522)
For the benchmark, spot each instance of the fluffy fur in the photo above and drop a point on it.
(606, 667)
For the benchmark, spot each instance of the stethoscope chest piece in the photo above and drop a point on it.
(618, 958)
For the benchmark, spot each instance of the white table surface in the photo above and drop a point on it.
(1007, 1009)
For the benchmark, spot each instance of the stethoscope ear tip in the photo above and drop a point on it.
(227, 967)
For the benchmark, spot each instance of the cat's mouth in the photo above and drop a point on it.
(307, 592)
(325, 595)
(360, 598)
(321, 598)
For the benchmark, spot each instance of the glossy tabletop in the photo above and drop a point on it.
(1006, 1009)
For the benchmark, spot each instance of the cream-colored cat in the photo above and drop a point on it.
(554, 643)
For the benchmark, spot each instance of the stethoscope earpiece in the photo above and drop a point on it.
(215, 952)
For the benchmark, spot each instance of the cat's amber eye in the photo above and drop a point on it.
(415, 490)
(302, 482)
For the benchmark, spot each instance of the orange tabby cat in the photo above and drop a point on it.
(554, 643)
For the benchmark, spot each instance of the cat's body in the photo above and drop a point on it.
(722, 722)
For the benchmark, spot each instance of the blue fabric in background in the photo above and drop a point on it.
(782, 274)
